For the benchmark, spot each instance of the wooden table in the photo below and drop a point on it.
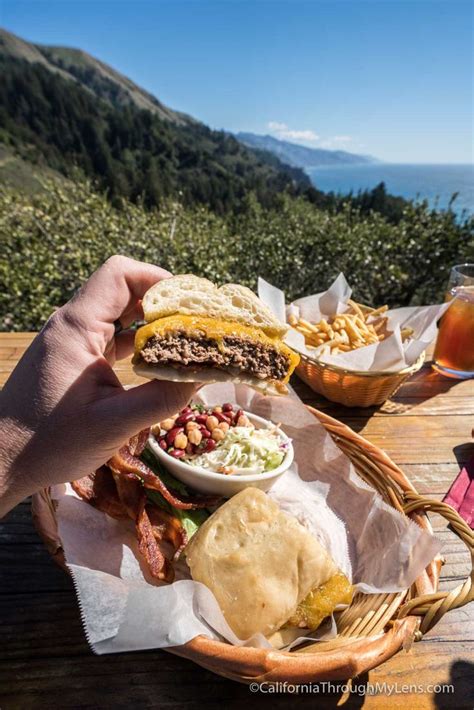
(45, 660)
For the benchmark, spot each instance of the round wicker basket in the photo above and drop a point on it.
(353, 388)
(372, 629)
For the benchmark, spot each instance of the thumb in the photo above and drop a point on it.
(139, 407)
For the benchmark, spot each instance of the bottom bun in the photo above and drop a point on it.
(208, 376)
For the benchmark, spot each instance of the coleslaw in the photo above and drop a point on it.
(244, 451)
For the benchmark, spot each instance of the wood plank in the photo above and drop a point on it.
(418, 439)
(40, 661)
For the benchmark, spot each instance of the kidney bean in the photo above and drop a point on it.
(162, 444)
(177, 453)
(238, 414)
(186, 410)
(222, 417)
(184, 418)
(210, 445)
(205, 432)
(172, 434)
(227, 407)
(201, 418)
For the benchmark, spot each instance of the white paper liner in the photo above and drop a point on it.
(123, 609)
(389, 355)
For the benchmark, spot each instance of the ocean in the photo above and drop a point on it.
(436, 183)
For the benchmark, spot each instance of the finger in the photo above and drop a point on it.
(139, 407)
(132, 314)
(120, 347)
(116, 287)
(113, 290)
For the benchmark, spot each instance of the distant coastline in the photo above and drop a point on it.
(434, 182)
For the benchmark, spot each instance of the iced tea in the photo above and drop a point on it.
(454, 351)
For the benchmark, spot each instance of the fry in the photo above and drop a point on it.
(345, 331)
(361, 324)
(324, 325)
(352, 330)
(379, 311)
(378, 326)
(406, 333)
(310, 326)
(356, 308)
(366, 309)
(344, 336)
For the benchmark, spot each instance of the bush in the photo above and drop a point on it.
(53, 240)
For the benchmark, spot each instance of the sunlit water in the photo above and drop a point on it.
(436, 183)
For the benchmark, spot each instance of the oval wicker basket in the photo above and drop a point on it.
(372, 629)
(353, 388)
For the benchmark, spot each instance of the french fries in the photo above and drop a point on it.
(357, 327)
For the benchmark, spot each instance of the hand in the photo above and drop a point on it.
(63, 411)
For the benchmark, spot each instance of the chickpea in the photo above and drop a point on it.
(192, 425)
(243, 420)
(167, 424)
(218, 409)
(224, 426)
(212, 423)
(156, 429)
(218, 434)
(181, 441)
(195, 436)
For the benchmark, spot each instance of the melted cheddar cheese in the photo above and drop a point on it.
(213, 329)
(321, 602)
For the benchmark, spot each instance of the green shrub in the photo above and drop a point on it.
(53, 240)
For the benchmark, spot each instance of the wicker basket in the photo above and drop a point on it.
(353, 388)
(372, 629)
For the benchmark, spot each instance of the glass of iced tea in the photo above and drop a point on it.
(454, 350)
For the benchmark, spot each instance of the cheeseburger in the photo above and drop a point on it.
(197, 332)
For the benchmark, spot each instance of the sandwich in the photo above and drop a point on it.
(197, 332)
(267, 572)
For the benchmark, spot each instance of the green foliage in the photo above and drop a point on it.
(53, 240)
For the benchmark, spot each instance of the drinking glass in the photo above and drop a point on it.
(454, 350)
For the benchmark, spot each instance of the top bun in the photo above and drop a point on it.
(187, 294)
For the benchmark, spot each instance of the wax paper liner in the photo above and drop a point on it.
(389, 355)
(123, 609)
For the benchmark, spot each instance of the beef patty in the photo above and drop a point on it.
(178, 350)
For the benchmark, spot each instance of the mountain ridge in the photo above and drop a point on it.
(91, 73)
(63, 109)
(300, 156)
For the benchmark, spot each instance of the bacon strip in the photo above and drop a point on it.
(99, 490)
(118, 490)
(168, 527)
(159, 566)
(138, 442)
(126, 464)
(130, 492)
(122, 497)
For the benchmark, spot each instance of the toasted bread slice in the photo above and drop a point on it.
(190, 295)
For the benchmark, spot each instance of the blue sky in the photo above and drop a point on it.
(388, 77)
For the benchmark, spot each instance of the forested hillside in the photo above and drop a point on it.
(131, 152)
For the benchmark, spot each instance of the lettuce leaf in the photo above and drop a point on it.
(191, 520)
